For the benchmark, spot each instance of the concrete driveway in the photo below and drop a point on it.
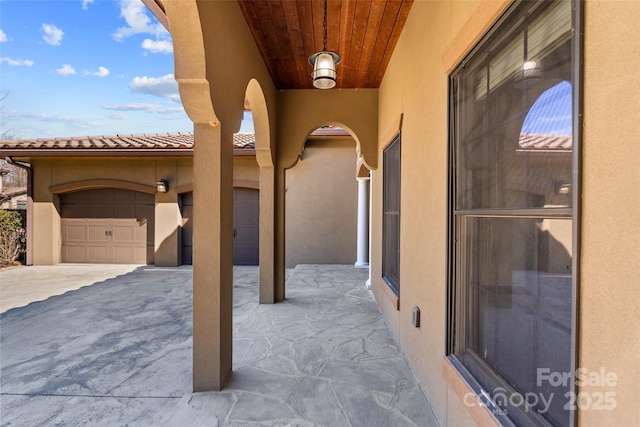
(101, 345)
(20, 286)
(112, 346)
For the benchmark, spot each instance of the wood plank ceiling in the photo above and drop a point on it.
(363, 32)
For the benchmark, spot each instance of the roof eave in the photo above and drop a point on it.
(157, 8)
(62, 152)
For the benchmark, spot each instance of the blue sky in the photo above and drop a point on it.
(86, 67)
(551, 113)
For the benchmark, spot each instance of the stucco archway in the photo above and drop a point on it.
(265, 158)
(322, 199)
(299, 113)
(210, 39)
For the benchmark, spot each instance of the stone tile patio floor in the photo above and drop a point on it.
(118, 352)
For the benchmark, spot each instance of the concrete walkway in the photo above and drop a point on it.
(118, 352)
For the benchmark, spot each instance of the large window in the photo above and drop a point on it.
(391, 220)
(512, 213)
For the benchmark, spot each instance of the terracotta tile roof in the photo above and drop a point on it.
(244, 140)
(175, 141)
(121, 144)
(538, 142)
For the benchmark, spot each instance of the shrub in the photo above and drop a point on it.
(12, 237)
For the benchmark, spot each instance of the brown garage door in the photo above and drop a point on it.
(246, 220)
(186, 234)
(107, 225)
(246, 214)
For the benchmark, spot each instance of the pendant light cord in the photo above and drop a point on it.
(324, 25)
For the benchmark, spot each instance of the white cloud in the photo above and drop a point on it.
(43, 117)
(147, 107)
(117, 116)
(3, 36)
(52, 34)
(165, 86)
(138, 22)
(157, 46)
(17, 62)
(152, 108)
(66, 70)
(102, 72)
(86, 3)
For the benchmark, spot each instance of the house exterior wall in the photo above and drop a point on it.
(414, 93)
(246, 172)
(321, 204)
(610, 254)
(46, 216)
(414, 96)
(336, 234)
(147, 171)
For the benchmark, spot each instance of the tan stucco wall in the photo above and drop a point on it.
(610, 255)
(46, 219)
(436, 36)
(300, 112)
(415, 86)
(246, 171)
(147, 171)
(321, 204)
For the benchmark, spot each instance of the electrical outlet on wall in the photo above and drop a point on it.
(415, 319)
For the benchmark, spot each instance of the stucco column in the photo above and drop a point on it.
(166, 230)
(212, 256)
(280, 250)
(362, 259)
(267, 235)
(167, 218)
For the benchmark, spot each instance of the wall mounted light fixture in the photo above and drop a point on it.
(162, 186)
(324, 62)
(528, 75)
(561, 187)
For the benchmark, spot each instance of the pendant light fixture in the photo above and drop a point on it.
(324, 62)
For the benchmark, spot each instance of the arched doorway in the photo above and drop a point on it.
(321, 202)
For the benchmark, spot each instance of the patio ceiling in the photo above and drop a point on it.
(363, 32)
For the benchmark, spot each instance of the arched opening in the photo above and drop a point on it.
(321, 203)
(246, 193)
(256, 105)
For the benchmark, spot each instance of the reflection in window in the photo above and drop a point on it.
(391, 215)
(551, 113)
(512, 216)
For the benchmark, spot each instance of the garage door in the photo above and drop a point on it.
(246, 220)
(246, 234)
(107, 225)
(186, 235)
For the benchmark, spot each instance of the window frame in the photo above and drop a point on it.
(457, 302)
(392, 279)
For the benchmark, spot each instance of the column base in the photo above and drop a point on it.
(361, 265)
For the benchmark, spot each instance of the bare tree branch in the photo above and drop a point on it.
(6, 133)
